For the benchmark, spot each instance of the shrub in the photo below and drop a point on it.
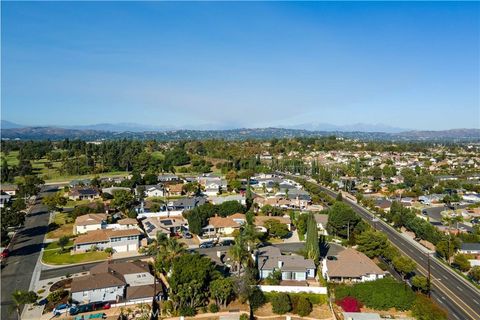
(381, 294)
(303, 307)
(187, 311)
(41, 291)
(56, 296)
(350, 304)
(281, 303)
(274, 278)
(243, 316)
(256, 298)
(213, 308)
(425, 309)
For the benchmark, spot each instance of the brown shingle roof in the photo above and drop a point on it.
(139, 292)
(352, 264)
(220, 222)
(260, 220)
(105, 280)
(104, 235)
(127, 221)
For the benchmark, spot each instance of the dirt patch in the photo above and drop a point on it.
(62, 284)
(318, 312)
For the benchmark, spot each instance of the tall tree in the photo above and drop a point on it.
(312, 243)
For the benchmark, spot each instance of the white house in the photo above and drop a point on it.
(116, 282)
(89, 222)
(119, 240)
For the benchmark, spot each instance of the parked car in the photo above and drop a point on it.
(61, 308)
(187, 235)
(89, 307)
(92, 316)
(227, 243)
(207, 244)
(5, 253)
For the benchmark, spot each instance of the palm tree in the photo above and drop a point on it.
(239, 253)
(166, 250)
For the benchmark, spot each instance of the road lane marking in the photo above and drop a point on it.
(459, 288)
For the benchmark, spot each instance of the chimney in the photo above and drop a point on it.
(280, 264)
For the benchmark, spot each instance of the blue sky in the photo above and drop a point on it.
(409, 65)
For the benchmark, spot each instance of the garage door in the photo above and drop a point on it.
(120, 248)
(132, 247)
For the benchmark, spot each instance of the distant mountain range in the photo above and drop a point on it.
(357, 127)
(11, 130)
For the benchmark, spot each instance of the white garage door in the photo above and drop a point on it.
(132, 247)
(120, 248)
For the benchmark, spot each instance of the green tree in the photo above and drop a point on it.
(166, 250)
(445, 248)
(404, 265)
(238, 252)
(342, 220)
(123, 200)
(475, 273)
(281, 303)
(312, 247)
(222, 290)
(21, 298)
(461, 262)
(372, 243)
(256, 298)
(409, 177)
(62, 242)
(276, 228)
(420, 283)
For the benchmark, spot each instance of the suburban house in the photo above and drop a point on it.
(168, 226)
(213, 185)
(470, 248)
(223, 226)
(298, 198)
(321, 220)
(156, 190)
(89, 222)
(292, 267)
(10, 189)
(260, 222)
(116, 282)
(119, 240)
(186, 203)
(83, 194)
(349, 265)
(383, 204)
(168, 177)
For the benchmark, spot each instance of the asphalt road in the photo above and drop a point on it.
(460, 298)
(24, 253)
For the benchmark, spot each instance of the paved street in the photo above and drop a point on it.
(460, 298)
(24, 255)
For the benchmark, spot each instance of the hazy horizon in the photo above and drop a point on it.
(412, 65)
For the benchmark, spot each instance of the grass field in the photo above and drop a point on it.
(55, 257)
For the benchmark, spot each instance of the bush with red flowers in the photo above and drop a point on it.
(350, 304)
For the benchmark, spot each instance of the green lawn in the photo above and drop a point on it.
(73, 203)
(55, 257)
(54, 245)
